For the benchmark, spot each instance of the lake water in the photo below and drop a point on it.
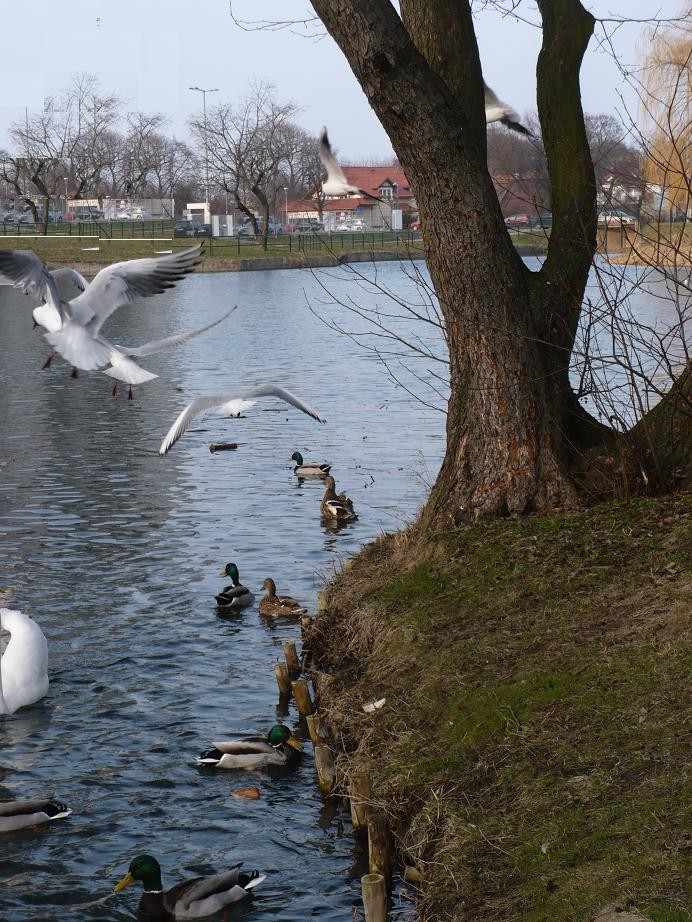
(116, 552)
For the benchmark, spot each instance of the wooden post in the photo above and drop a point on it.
(360, 794)
(317, 730)
(326, 772)
(291, 655)
(282, 678)
(301, 693)
(374, 891)
(378, 845)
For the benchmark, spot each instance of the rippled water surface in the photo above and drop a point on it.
(116, 552)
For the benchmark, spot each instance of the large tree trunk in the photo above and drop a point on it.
(512, 419)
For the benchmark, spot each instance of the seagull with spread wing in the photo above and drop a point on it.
(78, 339)
(73, 328)
(230, 402)
(336, 183)
(24, 270)
(498, 111)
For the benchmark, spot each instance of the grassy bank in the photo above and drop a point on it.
(93, 249)
(235, 252)
(530, 752)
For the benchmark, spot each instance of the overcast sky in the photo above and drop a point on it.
(150, 52)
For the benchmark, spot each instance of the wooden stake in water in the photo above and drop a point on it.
(326, 772)
(360, 795)
(378, 845)
(283, 679)
(374, 891)
(301, 693)
(291, 656)
(316, 729)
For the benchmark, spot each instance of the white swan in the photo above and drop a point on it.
(24, 664)
(201, 404)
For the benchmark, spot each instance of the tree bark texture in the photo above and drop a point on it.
(509, 332)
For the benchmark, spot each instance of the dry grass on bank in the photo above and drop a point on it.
(531, 751)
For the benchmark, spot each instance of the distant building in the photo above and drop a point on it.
(522, 193)
(386, 183)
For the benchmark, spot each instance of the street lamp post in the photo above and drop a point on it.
(286, 203)
(65, 181)
(206, 144)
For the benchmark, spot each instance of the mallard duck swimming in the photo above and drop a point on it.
(336, 506)
(24, 664)
(309, 468)
(278, 748)
(236, 595)
(18, 814)
(273, 604)
(195, 898)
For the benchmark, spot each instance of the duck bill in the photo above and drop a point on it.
(125, 882)
(223, 573)
(296, 744)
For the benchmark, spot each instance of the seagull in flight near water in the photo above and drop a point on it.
(336, 183)
(73, 328)
(231, 404)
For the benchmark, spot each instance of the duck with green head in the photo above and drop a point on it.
(275, 605)
(195, 898)
(309, 468)
(279, 747)
(236, 595)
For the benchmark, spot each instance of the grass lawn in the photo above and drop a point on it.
(73, 250)
(531, 753)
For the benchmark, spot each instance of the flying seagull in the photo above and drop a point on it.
(78, 338)
(123, 368)
(336, 182)
(202, 404)
(24, 270)
(498, 111)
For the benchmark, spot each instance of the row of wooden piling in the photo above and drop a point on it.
(375, 886)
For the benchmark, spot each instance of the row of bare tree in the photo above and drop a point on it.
(253, 151)
(83, 143)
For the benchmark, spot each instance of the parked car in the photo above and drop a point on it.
(130, 214)
(308, 226)
(615, 217)
(246, 229)
(545, 219)
(204, 230)
(518, 220)
(186, 228)
(351, 227)
(22, 217)
(54, 217)
(90, 213)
